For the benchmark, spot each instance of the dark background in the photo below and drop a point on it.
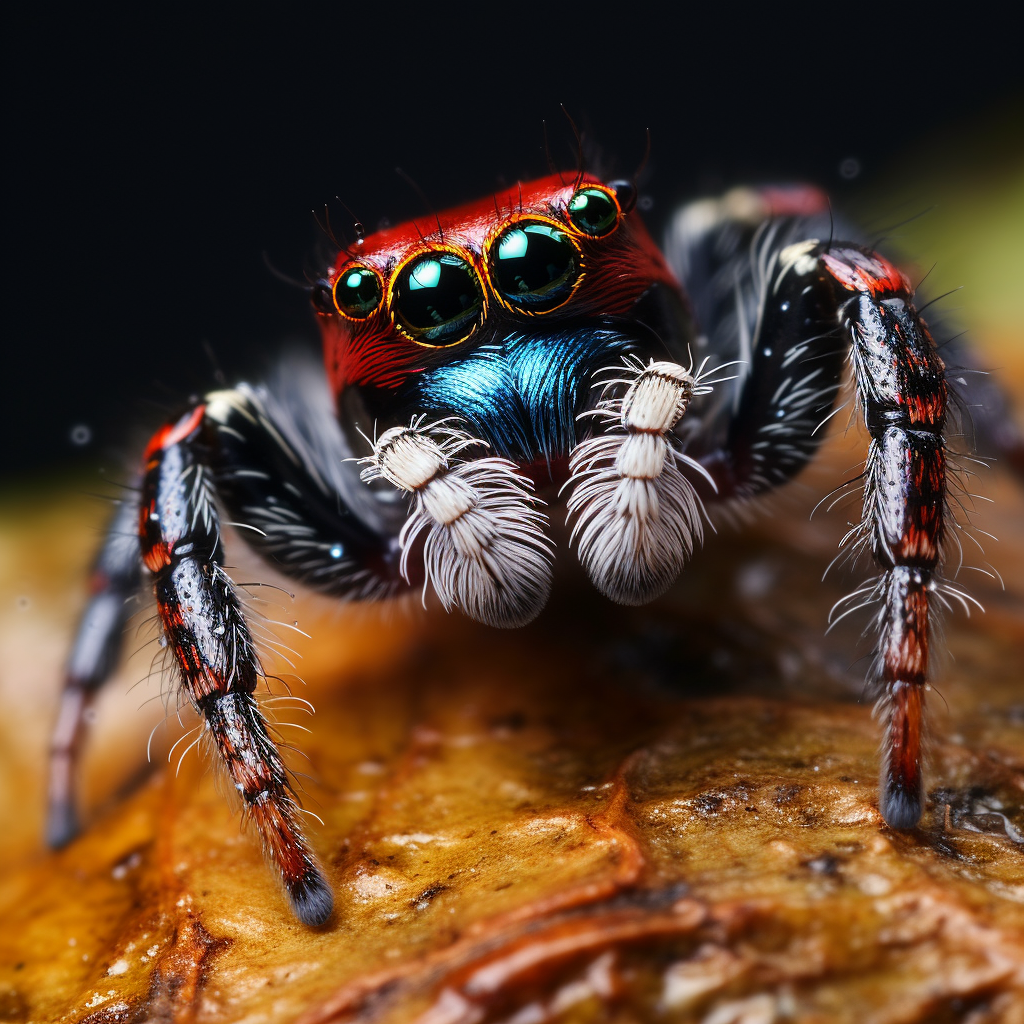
(157, 160)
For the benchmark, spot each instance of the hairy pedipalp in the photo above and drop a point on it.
(485, 549)
(638, 516)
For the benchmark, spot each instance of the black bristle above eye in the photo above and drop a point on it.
(322, 298)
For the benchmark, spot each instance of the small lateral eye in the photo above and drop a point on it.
(357, 292)
(535, 266)
(593, 211)
(437, 299)
(322, 297)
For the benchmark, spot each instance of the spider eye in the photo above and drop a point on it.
(357, 292)
(593, 211)
(437, 299)
(535, 266)
(322, 297)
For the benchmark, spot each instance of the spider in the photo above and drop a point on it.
(501, 358)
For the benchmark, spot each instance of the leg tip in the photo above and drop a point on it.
(312, 899)
(900, 806)
(61, 826)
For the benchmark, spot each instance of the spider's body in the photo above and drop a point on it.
(534, 344)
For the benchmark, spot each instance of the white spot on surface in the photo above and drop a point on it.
(413, 838)
(874, 885)
(119, 871)
(118, 967)
(759, 1009)
(372, 887)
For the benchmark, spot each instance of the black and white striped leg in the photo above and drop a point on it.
(815, 301)
(238, 448)
(904, 396)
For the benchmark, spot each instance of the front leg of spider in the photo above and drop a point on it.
(251, 452)
(792, 308)
(815, 301)
(901, 383)
(215, 653)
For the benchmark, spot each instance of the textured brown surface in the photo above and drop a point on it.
(665, 813)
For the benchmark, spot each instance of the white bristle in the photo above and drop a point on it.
(485, 549)
(639, 517)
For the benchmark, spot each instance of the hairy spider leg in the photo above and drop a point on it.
(114, 582)
(215, 653)
(792, 310)
(904, 395)
(261, 459)
(762, 300)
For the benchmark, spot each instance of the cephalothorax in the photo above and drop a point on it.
(484, 365)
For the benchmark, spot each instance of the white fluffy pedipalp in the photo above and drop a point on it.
(485, 549)
(638, 516)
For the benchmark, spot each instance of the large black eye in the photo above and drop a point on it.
(535, 266)
(437, 299)
(593, 211)
(357, 292)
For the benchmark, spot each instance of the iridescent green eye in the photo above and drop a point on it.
(535, 266)
(357, 292)
(593, 211)
(437, 299)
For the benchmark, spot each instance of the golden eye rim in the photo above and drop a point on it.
(492, 239)
(597, 186)
(427, 249)
(347, 269)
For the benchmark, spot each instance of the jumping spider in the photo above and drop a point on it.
(534, 345)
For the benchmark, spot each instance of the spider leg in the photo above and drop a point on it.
(762, 299)
(903, 393)
(242, 448)
(214, 651)
(797, 308)
(114, 581)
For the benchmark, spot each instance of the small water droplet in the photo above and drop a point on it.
(337, 551)
(80, 435)
(850, 168)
